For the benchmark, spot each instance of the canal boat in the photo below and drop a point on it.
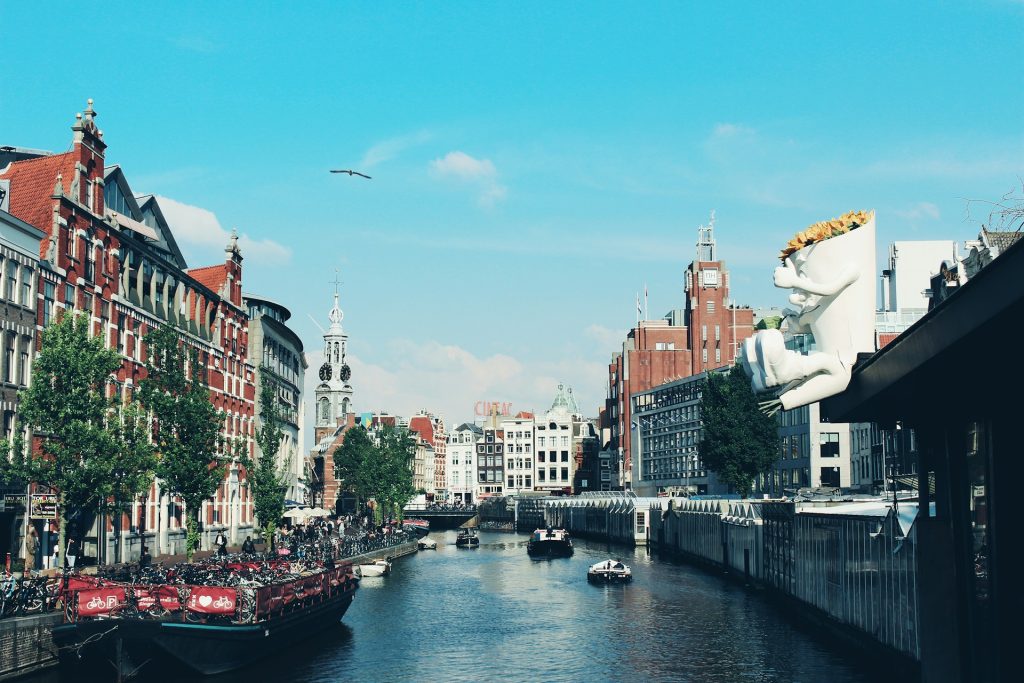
(188, 630)
(375, 568)
(420, 527)
(427, 544)
(549, 543)
(609, 571)
(467, 538)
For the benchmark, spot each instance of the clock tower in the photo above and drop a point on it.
(333, 392)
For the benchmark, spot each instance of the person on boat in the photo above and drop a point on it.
(248, 546)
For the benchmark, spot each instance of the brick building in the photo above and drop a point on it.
(114, 259)
(704, 335)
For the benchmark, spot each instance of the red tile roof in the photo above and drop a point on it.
(32, 183)
(522, 414)
(422, 425)
(210, 276)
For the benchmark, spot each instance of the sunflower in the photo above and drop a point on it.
(823, 230)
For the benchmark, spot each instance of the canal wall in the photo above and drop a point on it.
(852, 567)
(26, 645)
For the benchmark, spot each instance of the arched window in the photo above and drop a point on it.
(325, 409)
(344, 407)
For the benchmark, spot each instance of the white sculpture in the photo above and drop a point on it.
(830, 268)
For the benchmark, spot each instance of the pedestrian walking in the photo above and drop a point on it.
(222, 544)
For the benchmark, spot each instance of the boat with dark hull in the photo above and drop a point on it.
(187, 640)
(550, 543)
(609, 571)
(467, 538)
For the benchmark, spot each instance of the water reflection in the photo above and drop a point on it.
(493, 612)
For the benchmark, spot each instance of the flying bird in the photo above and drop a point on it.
(350, 172)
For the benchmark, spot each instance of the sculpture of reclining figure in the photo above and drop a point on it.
(834, 293)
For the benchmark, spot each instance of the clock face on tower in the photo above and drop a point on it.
(325, 372)
(345, 372)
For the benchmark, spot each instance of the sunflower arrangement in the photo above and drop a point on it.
(825, 229)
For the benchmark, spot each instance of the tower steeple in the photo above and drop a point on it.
(333, 393)
(706, 250)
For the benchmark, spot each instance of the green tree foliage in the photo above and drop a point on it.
(398, 449)
(739, 442)
(382, 472)
(187, 425)
(356, 464)
(266, 479)
(135, 467)
(83, 445)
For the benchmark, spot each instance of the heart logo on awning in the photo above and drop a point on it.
(205, 600)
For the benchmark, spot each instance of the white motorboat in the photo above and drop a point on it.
(609, 571)
(375, 568)
(427, 544)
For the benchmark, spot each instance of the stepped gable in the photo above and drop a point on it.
(32, 186)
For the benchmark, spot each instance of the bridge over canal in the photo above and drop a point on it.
(441, 518)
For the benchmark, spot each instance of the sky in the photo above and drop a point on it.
(534, 165)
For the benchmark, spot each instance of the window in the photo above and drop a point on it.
(511, 484)
(718, 332)
(529, 481)
(540, 456)
(704, 332)
(26, 286)
(49, 298)
(718, 355)
(552, 472)
(69, 296)
(12, 280)
(565, 456)
(540, 475)
(711, 306)
(565, 474)
(540, 441)
(704, 356)
(8, 358)
(23, 378)
(829, 442)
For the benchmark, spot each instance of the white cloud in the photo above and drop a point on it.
(391, 148)
(481, 173)
(406, 376)
(919, 211)
(202, 238)
(725, 131)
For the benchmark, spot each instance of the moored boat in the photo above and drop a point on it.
(427, 544)
(195, 629)
(609, 571)
(375, 568)
(420, 527)
(550, 543)
(467, 538)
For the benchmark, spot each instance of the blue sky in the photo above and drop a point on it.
(534, 164)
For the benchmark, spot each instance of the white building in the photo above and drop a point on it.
(519, 466)
(556, 462)
(906, 283)
(460, 462)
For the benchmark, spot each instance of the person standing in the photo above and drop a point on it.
(71, 554)
(31, 549)
(222, 544)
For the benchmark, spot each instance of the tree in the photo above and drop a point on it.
(135, 466)
(738, 442)
(356, 464)
(397, 452)
(186, 425)
(266, 480)
(66, 406)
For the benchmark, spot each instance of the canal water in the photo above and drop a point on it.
(492, 613)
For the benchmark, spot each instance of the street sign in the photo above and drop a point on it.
(44, 506)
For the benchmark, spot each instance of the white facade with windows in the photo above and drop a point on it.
(519, 466)
(460, 463)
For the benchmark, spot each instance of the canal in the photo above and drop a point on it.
(492, 613)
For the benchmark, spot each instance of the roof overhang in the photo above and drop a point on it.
(960, 359)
